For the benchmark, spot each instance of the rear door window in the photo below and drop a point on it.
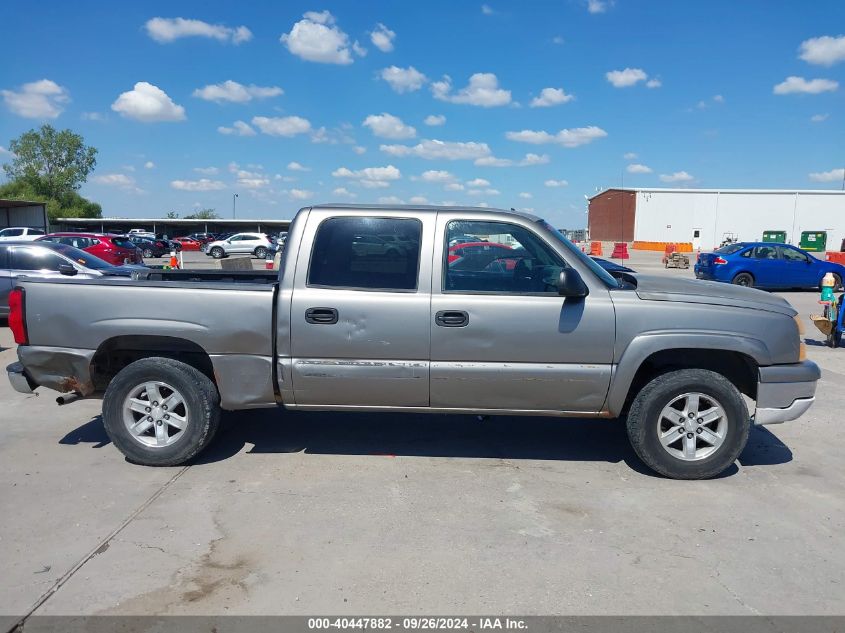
(35, 259)
(122, 242)
(765, 252)
(348, 253)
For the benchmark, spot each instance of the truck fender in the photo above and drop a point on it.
(647, 344)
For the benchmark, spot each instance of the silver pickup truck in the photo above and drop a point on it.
(410, 309)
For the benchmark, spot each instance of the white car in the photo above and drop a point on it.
(241, 243)
(141, 233)
(20, 234)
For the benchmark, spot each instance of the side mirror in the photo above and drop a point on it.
(67, 269)
(570, 284)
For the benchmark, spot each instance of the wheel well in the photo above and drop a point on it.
(738, 368)
(743, 272)
(118, 352)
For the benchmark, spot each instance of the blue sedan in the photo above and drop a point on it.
(766, 265)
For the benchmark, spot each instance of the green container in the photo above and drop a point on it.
(814, 241)
(774, 236)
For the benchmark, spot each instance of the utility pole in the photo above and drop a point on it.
(234, 197)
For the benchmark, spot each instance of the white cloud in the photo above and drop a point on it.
(626, 78)
(678, 176)
(359, 50)
(557, 39)
(390, 200)
(121, 181)
(418, 200)
(653, 83)
(403, 79)
(149, 165)
(454, 186)
(42, 99)
(206, 171)
(316, 38)
(551, 97)
(166, 30)
(534, 159)
(478, 182)
(234, 92)
(483, 192)
(203, 184)
(718, 98)
(834, 175)
(434, 175)
(818, 118)
(370, 177)
(386, 125)
(443, 150)
(636, 168)
(486, 9)
(525, 195)
(359, 149)
(795, 84)
(597, 6)
(435, 119)
(343, 191)
(239, 128)
(630, 156)
(282, 126)
(824, 51)
(300, 194)
(92, 116)
(556, 183)
(483, 90)
(250, 179)
(530, 159)
(149, 104)
(382, 38)
(294, 166)
(567, 137)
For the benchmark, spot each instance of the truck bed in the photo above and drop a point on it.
(198, 275)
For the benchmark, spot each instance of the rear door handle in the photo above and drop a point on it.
(451, 318)
(321, 316)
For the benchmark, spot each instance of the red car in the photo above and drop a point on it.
(487, 250)
(114, 249)
(188, 243)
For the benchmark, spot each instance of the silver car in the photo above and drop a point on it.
(256, 244)
(49, 260)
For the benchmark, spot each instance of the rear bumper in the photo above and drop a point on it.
(785, 392)
(19, 379)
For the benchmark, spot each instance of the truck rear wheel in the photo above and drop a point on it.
(688, 424)
(161, 412)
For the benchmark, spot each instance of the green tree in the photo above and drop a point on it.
(203, 214)
(68, 205)
(53, 163)
(172, 215)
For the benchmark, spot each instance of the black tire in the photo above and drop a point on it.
(644, 423)
(201, 402)
(261, 252)
(147, 252)
(218, 253)
(744, 279)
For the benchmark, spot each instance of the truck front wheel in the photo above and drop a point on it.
(161, 412)
(688, 424)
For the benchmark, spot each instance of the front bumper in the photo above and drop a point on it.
(785, 392)
(19, 379)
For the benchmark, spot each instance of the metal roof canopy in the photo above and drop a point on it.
(7, 213)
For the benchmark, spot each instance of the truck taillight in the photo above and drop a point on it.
(17, 317)
(720, 260)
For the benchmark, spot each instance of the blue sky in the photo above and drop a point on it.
(512, 104)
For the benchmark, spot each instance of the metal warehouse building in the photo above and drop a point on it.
(703, 218)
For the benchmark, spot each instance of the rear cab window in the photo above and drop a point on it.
(352, 253)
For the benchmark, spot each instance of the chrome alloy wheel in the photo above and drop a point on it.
(692, 426)
(155, 414)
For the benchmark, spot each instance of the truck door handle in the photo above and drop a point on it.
(321, 316)
(451, 318)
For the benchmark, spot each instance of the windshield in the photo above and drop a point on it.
(730, 249)
(80, 257)
(600, 272)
